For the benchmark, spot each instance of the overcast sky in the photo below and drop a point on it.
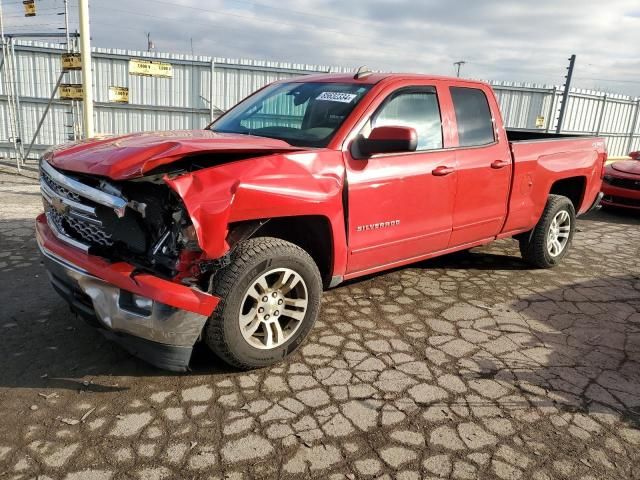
(518, 40)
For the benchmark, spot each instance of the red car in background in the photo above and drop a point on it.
(621, 185)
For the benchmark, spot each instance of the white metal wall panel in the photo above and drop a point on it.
(184, 101)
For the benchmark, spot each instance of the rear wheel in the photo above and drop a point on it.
(551, 238)
(270, 298)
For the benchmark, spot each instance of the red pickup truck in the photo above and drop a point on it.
(229, 234)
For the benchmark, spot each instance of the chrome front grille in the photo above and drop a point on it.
(59, 189)
(625, 183)
(91, 232)
(56, 220)
(71, 215)
(69, 224)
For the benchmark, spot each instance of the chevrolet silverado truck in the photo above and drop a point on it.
(228, 235)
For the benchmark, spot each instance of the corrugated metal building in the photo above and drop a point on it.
(201, 87)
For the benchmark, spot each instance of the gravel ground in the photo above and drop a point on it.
(469, 366)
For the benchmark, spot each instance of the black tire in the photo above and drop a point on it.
(251, 259)
(533, 245)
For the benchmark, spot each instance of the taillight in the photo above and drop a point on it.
(604, 162)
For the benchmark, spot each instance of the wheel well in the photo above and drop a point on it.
(312, 233)
(572, 188)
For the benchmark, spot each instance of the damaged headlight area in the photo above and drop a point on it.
(153, 234)
(141, 221)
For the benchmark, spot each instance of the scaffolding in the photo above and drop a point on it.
(10, 78)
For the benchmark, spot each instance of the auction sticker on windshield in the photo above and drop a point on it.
(336, 97)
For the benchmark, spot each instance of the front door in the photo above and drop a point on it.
(400, 206)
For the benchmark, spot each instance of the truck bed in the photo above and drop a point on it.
(539, 163)
(526, 135)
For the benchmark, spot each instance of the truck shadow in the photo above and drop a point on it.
(62, 352)
(86, 362)
(479, 260)
(617, 216)
(463, 260)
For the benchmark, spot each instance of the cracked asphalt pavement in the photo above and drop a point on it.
(468, 366)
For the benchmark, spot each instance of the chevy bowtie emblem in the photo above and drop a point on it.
(377, 226)
(59, 206)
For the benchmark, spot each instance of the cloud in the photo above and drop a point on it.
(519, 41)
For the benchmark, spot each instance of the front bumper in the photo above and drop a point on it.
(620, 197)
(154, 319)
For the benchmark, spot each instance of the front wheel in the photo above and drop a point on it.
(270, 298)
(551, 238)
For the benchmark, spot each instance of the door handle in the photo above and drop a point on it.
(442, 170)
(500, 163)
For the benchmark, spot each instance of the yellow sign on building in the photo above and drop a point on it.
(118, 94)
(71, 61)
(148, 68)
(540, 122)
(71, 91)
(29, 8)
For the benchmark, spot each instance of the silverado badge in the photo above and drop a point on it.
(377, 226)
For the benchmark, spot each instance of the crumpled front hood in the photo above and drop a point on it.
(627, 166)
(130, 156)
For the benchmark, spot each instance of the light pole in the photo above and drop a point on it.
(85, 58)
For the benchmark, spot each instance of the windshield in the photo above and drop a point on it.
(301, 114)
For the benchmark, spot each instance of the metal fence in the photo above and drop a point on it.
(610, 115)
(202, 87)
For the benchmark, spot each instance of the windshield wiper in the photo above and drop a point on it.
(231, 131)
(251, 134)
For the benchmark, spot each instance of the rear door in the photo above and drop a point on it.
(397, 208)
(483, 166)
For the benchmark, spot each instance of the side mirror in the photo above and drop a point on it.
(389, 139)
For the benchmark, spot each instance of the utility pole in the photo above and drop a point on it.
(150, 44)
(85, 57)
(565, 93)
(459, 64)
(1, 24)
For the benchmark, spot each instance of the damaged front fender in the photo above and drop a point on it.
(208, 202)
(274, 186)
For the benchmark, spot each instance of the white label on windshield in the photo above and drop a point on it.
(336, 97)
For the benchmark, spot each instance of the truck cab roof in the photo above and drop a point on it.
(377, 77)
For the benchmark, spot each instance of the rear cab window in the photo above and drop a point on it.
(473, 116)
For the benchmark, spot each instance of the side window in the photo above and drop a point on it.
(475, 125)
(417, 108)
